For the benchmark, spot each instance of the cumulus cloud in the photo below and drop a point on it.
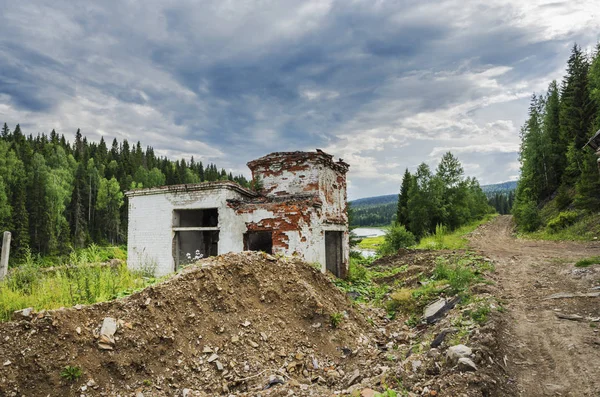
(384, 85)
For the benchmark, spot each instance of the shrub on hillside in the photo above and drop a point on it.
(527, 216)
(562, 220)
(396, 237)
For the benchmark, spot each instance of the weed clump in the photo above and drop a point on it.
(71, 373)
(336, 319)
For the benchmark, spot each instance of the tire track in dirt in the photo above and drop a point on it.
(546, 356)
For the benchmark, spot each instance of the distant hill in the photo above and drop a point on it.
(380, 210)
(377, 200)
(503, 187)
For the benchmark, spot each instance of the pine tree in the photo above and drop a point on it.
(402, 211)
(576, 113)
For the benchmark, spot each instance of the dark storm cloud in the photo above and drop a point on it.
(379, 83)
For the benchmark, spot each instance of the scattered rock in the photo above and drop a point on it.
(353, 378)
(219, 365)
(23, 314)
(7, 363)
(436, 310)
(109, 326)
(439, 339)
(416, 365)
(457, 352)
(466, 364)
(212, 358)
(275, 380)
(368, 393)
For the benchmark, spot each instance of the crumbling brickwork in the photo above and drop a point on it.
(303, 198)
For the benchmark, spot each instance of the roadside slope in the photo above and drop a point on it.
(547, 356)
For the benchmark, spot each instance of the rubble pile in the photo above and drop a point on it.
(246, 324)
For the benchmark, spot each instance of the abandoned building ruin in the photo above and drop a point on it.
(300, 210)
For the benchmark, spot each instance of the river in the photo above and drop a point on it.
(363, 232)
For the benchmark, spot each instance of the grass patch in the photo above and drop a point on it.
(359, 283)
(594, 260)
(32, 286)
(451, 276)
(371, 243)
(91, 255)
(444, 239)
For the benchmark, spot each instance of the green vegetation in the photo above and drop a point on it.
(560, 185)
(360, 281)
(71, 373)
(371, 243)
(336, 319)
(584, 227)
(85, 281)
(447, 198)
(56, 196)
(442, 239)
(588, 261)
(397, 237)
(451, 276)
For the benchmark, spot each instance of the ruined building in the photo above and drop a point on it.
(300, 210)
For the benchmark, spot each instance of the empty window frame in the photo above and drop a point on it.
(196, 235)
(259, 241)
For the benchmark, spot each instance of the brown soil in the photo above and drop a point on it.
(159, 348)
(266, 317)
(545, 355)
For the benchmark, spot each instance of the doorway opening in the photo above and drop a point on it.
(333, 252)
(259, 241)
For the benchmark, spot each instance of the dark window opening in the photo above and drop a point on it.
(259, 241)
(207, 217)
(333, 252)
(190, 246)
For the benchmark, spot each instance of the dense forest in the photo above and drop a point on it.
(55, 195)
(555, 165)
(445, 197)
(382, 210)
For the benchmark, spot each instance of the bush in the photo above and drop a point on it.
(396, 238)
(562, 220)
(356, 271)
(527, 216)
(563, 198)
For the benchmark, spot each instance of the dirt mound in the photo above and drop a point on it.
(223, 326)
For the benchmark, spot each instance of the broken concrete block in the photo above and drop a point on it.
(466, 364)
(109, 326)
(438, 309)
(23, 314)
(457, 352)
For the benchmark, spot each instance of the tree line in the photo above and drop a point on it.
(554, 162)
(445, 198)
(55, 195)
(502, 201)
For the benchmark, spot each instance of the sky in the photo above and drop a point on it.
(384, 85)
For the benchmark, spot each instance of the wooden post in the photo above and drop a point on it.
(5, 254)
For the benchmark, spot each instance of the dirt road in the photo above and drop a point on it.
(545, 355)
